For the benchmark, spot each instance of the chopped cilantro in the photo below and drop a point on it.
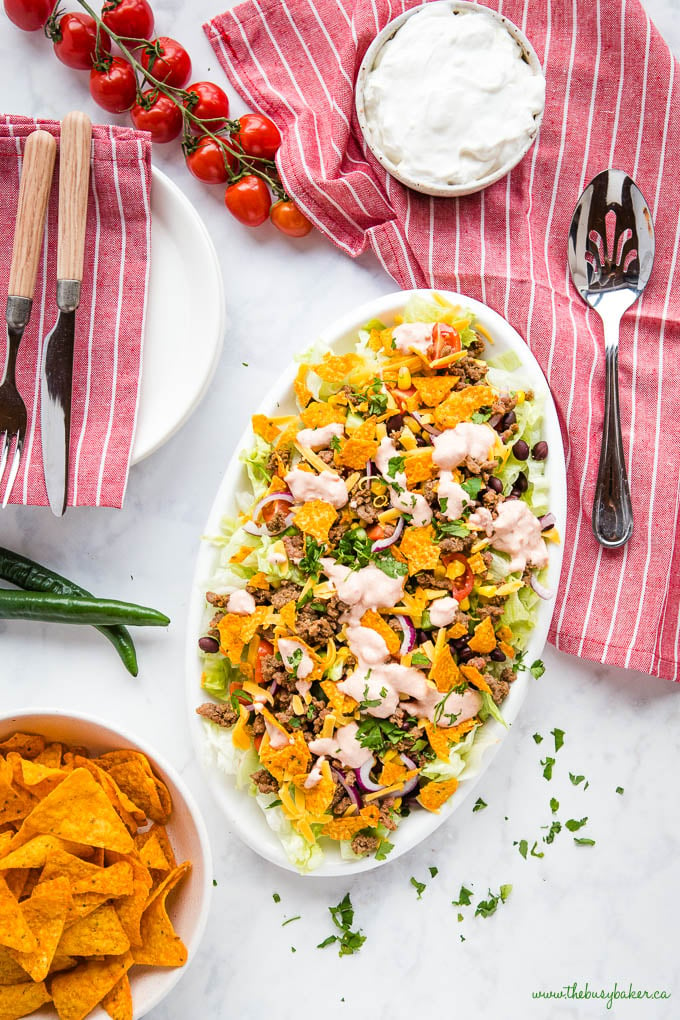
(433, 871)
(384, 848)
(582, 841)
(574, 825)
(460, 917)
(294, 723)
(523, 848)
(354, 549)
(537, 669)
(575, 780)
(480, 416)
(318, 607)
(548, 767)
(559, 738)
(335, 443)
(450, 529)
(419, 659)
(534, 852)
(419, 887)
(237, 697)
(555, 830)
(462, 938)
(290, 920)
(443, 503)
(276, 897)
(554, 805)
(377, 398)
(368, 702)
(309, 565)
(294, 660)
(538, 739)
(472, 487)
(479, 804)
(214, 881)
(619, 789)
(464, 897)
(394, 465)
(293, 949)
(274, 803)
(387, 563)
(343, 919)
(378, 734)
(485, 908)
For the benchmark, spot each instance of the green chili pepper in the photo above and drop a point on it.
(26, 573)
(48, 608)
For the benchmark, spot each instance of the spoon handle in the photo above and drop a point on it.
(612, 509)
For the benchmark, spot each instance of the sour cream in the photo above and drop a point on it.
(376, 682)
(241, 602)
(318, 439)
(366, 588)
(328, 486)
(450, 98)
(518, 533)
(443, 611)
(343, 746)
(455, 495)
(289, 649)
(410, 335)
(400, 496)
(465, 440)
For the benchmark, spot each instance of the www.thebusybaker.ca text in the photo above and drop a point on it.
(575, 991)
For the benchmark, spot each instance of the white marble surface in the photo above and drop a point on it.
(602, 915)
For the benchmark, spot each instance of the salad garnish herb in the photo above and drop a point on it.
(343, 918)
(479, 805)
(419, 887)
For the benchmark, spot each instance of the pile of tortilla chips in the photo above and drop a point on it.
(86, 867)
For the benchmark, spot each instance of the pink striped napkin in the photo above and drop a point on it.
(109, 322)
(612, 85)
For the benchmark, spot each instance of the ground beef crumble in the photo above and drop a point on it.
(265, 781)
(223, 715)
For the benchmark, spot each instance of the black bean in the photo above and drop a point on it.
(521, 483)
(466, 654)
(540, 451)
(497, 655)
(521, 450)
(509, 419)
(209, 645)
(459, 643)
(394, 422)
(495, 484)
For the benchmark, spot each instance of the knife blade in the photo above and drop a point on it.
(57, 364)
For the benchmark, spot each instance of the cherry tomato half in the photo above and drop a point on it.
(160, 116)
(212, 105)
(29, 14)
(287, 218)
(258, 135)
(277, 506)
(462, 584)
(167, 61)
(263, 650)
(114, 87)
(248, 200)
(444, 336)
(402, 397)
(207, 161)
(131, 19)
(76, 42)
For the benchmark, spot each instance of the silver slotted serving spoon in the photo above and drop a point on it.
(611, 252)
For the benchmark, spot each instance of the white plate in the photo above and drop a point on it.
(240, 809)
(184, 318)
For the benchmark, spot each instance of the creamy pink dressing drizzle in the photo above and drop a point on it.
(326, 486)
(287, 648)
(450, 709)
(518, 533)
(315, 775)
(241, 602)
(343, 746)
(317, 439)
(400, 496)
(455, 495)
(443, 611)
(465, 440)
(412, 334)
(367, 588)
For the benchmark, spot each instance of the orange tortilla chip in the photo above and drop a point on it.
(419, 468)
(45, 913)
(51, 756)
(315, 518)
(78, 991)
(335, 367)
(231, 642)
(287, 761)
(86, 878)
(483, 640)
(433, 795)
(374, 621)
(419, 548)
(98, 934)
(38, 779)
(442, 738)
(15, 802)
(28, 745)
(34, 852)
(15, 932)
(433, 389)
(319, 797)
(118, 1002)
(445, 672)
(265, 427)
(356, 453)
(288, 614)
(472, 674)
(20, 1000)
(259, 581)
(393, 772)
(152, 855)
(79, 810)
(302, 390)
(318, 414)
(458, 630)
(131, 813)
(347, 828)
(134, 779)
(161, 946)
(130, 908)
(461, 404)
(341, 703)
(11, 973)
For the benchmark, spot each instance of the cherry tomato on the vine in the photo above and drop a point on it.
(157, 114)
(258, 135)
(76, 43)
(113, 85)
(212, 105)
(287, 218)
(167, 61)
(248, 200)
(29, 14)
(207, 161)
(132, 19)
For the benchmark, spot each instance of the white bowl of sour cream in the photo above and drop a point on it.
(450, 97)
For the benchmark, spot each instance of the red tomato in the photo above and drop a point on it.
(167, 61)
(443, 336)
(160, 116)
(287, 218)
(131, 19)
(257, 740)
(264, 649)
(207, 161)
(75, 42)
(114, 87)
(271, 509)
(376, 532)
(248, 200)
(29, 14)
(402, 396)
(212, 105)
(462, 584)
(258, 135)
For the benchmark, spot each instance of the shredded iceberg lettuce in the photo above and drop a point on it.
(519, 613)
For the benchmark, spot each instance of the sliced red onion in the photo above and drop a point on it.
(385, 543)
(547, 521)
(495, 420)
(364, 778)
(409, 632)
(369, 469)
(351, 791)
(273, 497)
(273, 687)
(412, 783)
(541, 590)
(428, 428)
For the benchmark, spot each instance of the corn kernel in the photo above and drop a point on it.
(439, 570)
(380, 430)
(404, 378)
(465, 604)
(412, 424)
(454, 569)
(408, 440)
(298, 707)
(520, 396)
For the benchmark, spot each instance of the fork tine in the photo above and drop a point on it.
(6, 440)
(16, 460)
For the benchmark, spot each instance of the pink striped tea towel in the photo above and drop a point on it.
(109, 322)
(612, 100)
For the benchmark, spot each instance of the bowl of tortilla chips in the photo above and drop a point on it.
(105, 871)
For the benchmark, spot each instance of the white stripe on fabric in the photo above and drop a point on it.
(330, 42)
(508, 263)
(90, 338)
(456, 257)
(619, 93)
(400, 239)
(147, 212)
(643, 99)
(656, 652)
(119, 312)
(482, 248)
(430, 245)
(589, 608)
